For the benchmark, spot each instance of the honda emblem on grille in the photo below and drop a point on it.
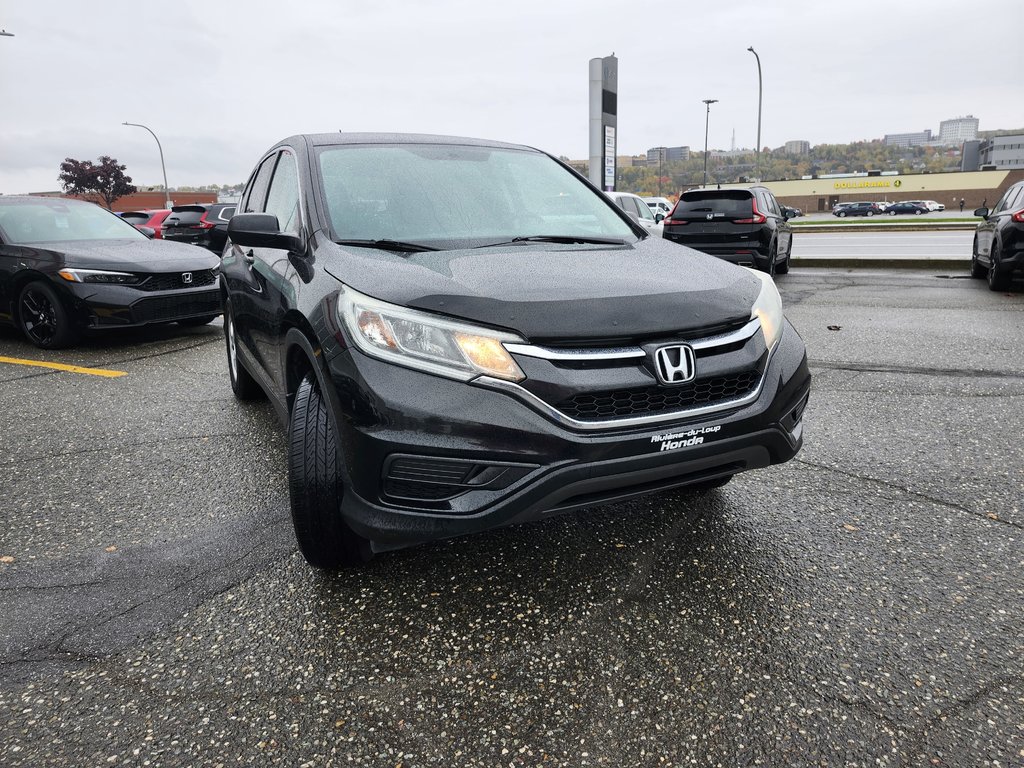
(675, 364)
(710, 216)
(186, 277)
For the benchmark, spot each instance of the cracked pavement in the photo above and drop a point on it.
(860, 606)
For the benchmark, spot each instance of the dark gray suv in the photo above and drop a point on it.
(744, 226)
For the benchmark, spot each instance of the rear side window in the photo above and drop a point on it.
(726, 203)
(225, 214)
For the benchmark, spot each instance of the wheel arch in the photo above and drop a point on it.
(26, 276)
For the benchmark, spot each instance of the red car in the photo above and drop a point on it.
(153, 219)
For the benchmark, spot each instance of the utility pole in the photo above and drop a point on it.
(167, 194)
(757, 150)
(707, 120)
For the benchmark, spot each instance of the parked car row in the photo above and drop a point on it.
(204, 224)
(861, 208)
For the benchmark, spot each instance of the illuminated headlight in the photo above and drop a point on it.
(426, 342)
(99, 276)
(768, 309)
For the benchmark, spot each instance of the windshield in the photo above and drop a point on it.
(58, 220)
(458, 196)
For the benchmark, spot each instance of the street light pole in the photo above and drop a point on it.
(757, 149)
(167, 194)
(707, 120)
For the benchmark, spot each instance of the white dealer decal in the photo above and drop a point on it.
(684, 439)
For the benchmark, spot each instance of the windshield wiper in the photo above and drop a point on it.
(399, 246)
(571, 239)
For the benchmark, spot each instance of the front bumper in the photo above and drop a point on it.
(389, 414)
(122, 306)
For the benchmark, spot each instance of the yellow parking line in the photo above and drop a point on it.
(63, 367)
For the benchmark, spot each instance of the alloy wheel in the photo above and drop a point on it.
(39, 317)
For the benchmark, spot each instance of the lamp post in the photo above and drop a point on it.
(167, 194)
(707, 119)
(757, 149)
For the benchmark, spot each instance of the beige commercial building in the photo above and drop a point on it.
(947, 188)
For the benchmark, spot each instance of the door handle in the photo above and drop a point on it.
(249, 257)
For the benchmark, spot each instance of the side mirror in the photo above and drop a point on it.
(261, 230)
(789, 213)
(659, 217)
(147, 231)
(982, 212)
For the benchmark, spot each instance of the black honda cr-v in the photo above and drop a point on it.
(464, 334)
(744, 226)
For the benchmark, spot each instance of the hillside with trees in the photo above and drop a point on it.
(776, 165)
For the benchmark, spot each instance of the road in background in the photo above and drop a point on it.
(950, 247)
(860, 605)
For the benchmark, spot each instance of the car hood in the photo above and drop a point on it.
(132, 255)
(554, 292)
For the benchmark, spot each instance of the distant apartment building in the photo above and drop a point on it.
(657, 155)
(661, 155)
(797, 147)
(1004, 153)
(906, 140)
(954, 132)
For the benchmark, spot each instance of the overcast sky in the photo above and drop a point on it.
(220, 81)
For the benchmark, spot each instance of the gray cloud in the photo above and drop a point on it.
(220, 82)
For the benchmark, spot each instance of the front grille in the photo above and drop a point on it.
(167, 308)
(172, 281)
(649, 401)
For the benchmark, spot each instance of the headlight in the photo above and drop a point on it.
(99, 276)
(426, 342)
(768, 309)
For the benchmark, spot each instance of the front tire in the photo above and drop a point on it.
(841, 214)
(315, 487)
(44, 319)
(892, 213)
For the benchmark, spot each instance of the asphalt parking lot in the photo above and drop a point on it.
(862, 605)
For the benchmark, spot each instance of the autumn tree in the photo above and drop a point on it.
(105, 179)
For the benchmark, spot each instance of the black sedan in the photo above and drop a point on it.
(895, 209)
(67, 265)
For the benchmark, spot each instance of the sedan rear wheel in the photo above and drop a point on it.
(998, 280)
(44, 319)
(976, 269)
(242, 383)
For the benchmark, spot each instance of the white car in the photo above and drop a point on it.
(637, 209)
(931, 205)
(659, 205)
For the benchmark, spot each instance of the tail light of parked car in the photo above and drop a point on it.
(756, 218)
(203, 223)
(1019, 216)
